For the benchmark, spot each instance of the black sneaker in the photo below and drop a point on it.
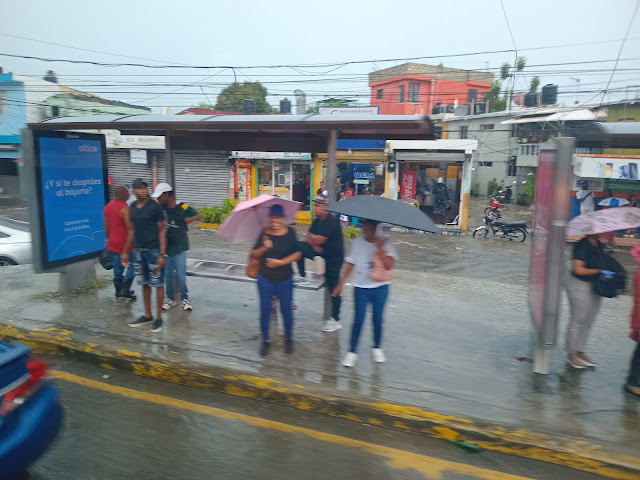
(264, 349)
(288, 345)
(141, 321)
(157, 325)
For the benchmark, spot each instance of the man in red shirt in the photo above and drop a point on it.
(117, 224)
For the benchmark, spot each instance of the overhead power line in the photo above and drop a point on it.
(298, 66)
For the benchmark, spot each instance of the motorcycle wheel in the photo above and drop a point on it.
(487, 211)
(518, 235)
(480, 232)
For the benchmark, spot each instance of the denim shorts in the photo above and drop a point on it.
(147, 275)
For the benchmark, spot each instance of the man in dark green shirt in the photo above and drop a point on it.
(178, 215)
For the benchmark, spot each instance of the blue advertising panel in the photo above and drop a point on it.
(71, 177)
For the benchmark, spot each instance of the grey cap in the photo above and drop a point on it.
(321, 199)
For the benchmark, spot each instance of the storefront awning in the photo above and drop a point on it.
(440, 157)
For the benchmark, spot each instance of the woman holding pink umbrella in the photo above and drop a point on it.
(277, 249)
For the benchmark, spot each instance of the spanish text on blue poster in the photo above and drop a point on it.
(73, 196)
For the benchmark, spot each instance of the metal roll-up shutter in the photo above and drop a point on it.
(202, 177)
(123, 172)
(445, 157)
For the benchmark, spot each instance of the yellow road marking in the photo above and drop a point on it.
(431, 467)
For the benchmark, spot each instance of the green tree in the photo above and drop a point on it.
(505, 69)
(205, 105)
(521, 62)
(230, 99)
(496, 103)
(535, 83)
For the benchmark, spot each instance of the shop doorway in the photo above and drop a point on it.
(419, 182)
(301, 188)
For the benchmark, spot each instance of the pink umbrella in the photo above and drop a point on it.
(603, 221)
(249, 219)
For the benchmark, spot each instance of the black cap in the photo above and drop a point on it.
(138, 182)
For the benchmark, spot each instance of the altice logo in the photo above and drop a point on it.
(88, 148)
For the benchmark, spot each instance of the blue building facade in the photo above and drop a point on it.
(13, 117)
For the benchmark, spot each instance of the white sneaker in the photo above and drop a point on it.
(186, 305)
(168, 304)
(350, 360)
(379, 356)
(331, 325)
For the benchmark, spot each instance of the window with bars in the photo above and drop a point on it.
(464, 132)
(401, 94)
(414, 92)
(511, 166)
(487, 126)
(380, 93)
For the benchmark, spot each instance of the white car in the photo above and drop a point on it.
(15, 242)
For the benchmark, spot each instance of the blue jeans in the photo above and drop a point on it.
(362, 298)
(146, 274)
(283, 291)
(177, 266)
(118, 269)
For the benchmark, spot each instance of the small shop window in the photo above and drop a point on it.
(361, 178)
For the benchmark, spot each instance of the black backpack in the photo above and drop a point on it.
(610, 286)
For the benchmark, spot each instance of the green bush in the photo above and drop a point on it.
(493, 187)
(351, 232)
(218, 213)
(530, 188)
(475, 190)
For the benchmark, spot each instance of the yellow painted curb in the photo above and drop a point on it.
(212, 226)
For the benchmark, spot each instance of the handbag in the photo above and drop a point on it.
(253, 267)
(610, 285)
(106, 259)
(377, 272)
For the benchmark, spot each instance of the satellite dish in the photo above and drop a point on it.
(462, 110)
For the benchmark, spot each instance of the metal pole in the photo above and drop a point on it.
(332, 167)
(555, 261)
(170, 166)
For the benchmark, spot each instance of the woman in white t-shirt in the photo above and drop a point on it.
(371, 259)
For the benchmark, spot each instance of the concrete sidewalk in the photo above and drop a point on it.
(453, 371)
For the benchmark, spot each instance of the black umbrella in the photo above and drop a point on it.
(385, 210)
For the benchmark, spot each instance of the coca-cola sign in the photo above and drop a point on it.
(408, 184)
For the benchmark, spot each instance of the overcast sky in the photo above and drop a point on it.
(247, 32)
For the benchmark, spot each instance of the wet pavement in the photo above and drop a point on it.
(456, 324)
(452, 342)
(157, 430)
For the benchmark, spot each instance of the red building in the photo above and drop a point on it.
(416, 88)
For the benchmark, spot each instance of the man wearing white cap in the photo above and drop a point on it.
(178, 215)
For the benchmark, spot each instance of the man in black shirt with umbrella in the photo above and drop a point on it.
(325, 239)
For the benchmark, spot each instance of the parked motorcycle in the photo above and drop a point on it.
(495, 208)
(512, 231)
